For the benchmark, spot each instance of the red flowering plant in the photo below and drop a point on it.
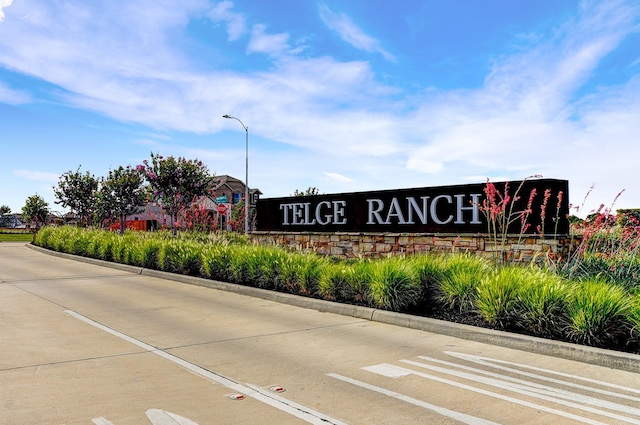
(609, 246)
(199, 218)
(507, 213)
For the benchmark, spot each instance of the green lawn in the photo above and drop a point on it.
(16, 237)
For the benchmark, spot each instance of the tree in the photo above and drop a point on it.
(4, 210)
(35, 210)
(311, 191)
(121, 194)
(175, 182)
(77, 191)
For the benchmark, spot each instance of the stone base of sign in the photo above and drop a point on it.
(514, 248)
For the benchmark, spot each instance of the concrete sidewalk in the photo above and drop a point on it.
(597, 356)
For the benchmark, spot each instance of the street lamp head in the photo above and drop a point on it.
(226, 116)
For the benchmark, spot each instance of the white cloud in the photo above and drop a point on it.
(11, 96)
(338, 177)
(350, 32)
(236, 23)
(37, 175)
(3, 4)
(261, 42)
(529, 117)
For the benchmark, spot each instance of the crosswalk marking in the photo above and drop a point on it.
(494, 363)
(461, 417)
(519, 380)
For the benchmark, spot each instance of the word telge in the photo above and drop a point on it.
(443, 209)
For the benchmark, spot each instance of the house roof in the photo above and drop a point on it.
(231, 183)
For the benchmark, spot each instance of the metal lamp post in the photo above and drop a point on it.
(247, 203)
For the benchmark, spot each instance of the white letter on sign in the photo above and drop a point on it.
(375, 212)
(434, 205)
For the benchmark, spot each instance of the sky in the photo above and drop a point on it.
(343, 96)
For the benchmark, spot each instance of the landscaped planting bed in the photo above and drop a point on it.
(549, 302)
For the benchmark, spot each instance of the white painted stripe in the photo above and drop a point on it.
(306, 414)
(460, 417)
(487, 361)
(101, 421)
(539, 388)
(162, 417)
(520, 389)
(494, 395)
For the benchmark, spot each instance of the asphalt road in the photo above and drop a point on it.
(86, 344)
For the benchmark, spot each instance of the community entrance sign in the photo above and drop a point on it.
(541, 203)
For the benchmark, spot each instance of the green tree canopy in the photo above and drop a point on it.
(311, 191)
(35, 210)
(4, 209)
(78, 192)
(175, 182)
(121, 194)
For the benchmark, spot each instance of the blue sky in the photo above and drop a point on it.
(340, 95)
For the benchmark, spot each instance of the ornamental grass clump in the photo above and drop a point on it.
(215, 261)
(180, 256)
(394, 284)
(345, 281)
(270, 266)
(430, 271)
(145, 253)
(242, 265)
(107, 242)
(496, 295)
(634, 319)
(300, 273)
(598, 313)
(461, 275)
(540, 303)
(524, 298)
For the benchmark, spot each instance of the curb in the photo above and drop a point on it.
(596, 356)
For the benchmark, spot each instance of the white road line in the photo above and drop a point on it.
(520, 389)
(384, 368)
(101, 421)
(460, 417)
(487, 361)
(162, 417)
(306, 414)
(539, 388)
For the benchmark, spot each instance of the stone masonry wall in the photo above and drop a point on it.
(516, 248)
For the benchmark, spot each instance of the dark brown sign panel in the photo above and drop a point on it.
(529, 206)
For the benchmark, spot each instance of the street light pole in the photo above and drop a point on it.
(247, 202)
